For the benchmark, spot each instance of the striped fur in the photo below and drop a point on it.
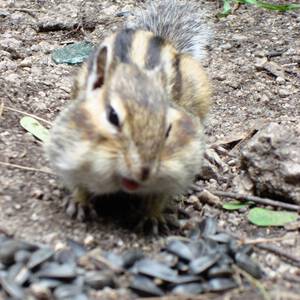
(180, 22)
(183, 77)
(150, 76)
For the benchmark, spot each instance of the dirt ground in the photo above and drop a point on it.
(245, 96)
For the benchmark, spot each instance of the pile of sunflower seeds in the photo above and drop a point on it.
(202, 262)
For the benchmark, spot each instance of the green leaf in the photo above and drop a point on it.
(266, 217)
(247, 1)
(35, 128)
(271, 6)
(72, 54)
(226, 8)
(235, 205)
(278, 7)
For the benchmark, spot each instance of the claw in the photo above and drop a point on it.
(70, 208)
(172, 221)
(155, 225)
(164, 228)
(79, 206)
(82, 213)
(148, 226)
(183, 213)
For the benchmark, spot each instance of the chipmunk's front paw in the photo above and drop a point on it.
(152, 226)
(79, 207)
(160, 216)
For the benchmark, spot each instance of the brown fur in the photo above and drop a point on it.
(152, 87)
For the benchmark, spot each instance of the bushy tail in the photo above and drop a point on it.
(180, 22)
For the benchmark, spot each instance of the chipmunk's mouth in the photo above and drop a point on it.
(129, 184)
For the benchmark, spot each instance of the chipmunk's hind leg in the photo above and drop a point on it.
(79, 206)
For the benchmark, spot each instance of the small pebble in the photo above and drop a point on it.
(283, 92)
(290, 239)
(17, 206)
(34, 217)
(40, 292)
(89, 240)
(26, 62)
(226, 46)
(192, 199)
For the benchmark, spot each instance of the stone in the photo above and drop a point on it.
(208, 170)
(271, 160)
(72, 54)
(10, 43)
(283, 92)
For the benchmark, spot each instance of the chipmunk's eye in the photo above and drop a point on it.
(113, 117)
(168, 131)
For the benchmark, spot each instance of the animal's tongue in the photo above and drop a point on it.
(130, 184)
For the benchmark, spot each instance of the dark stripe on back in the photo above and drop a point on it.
(178, 78)
(153, 52)
(122, 45)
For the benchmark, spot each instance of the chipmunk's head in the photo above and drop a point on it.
(137, 139)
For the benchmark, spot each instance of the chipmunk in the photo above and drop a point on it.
(136, 120)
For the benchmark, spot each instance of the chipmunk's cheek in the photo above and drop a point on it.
(129, 185)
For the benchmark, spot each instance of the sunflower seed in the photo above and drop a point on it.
(145, 287)
(201, 264)
(39, 257)
(180, 249)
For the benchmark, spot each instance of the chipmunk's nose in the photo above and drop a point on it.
(145, 172)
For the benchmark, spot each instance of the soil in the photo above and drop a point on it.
(246, 95)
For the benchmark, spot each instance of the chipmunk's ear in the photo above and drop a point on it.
(101, 61)
(97, 69)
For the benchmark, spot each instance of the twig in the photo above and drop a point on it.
(280, 252)
(57, 26)
(270, 248)
(282, 295)
(245, 241)
(1, 108)
(265, 201)
(29, 11)
(293, 259)
(25, 168)
(254, 282)
(27, 114)
(294, 73)
(291, 277)
(183, 297)
(290, 65)
(263, 240)
(23, 9)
